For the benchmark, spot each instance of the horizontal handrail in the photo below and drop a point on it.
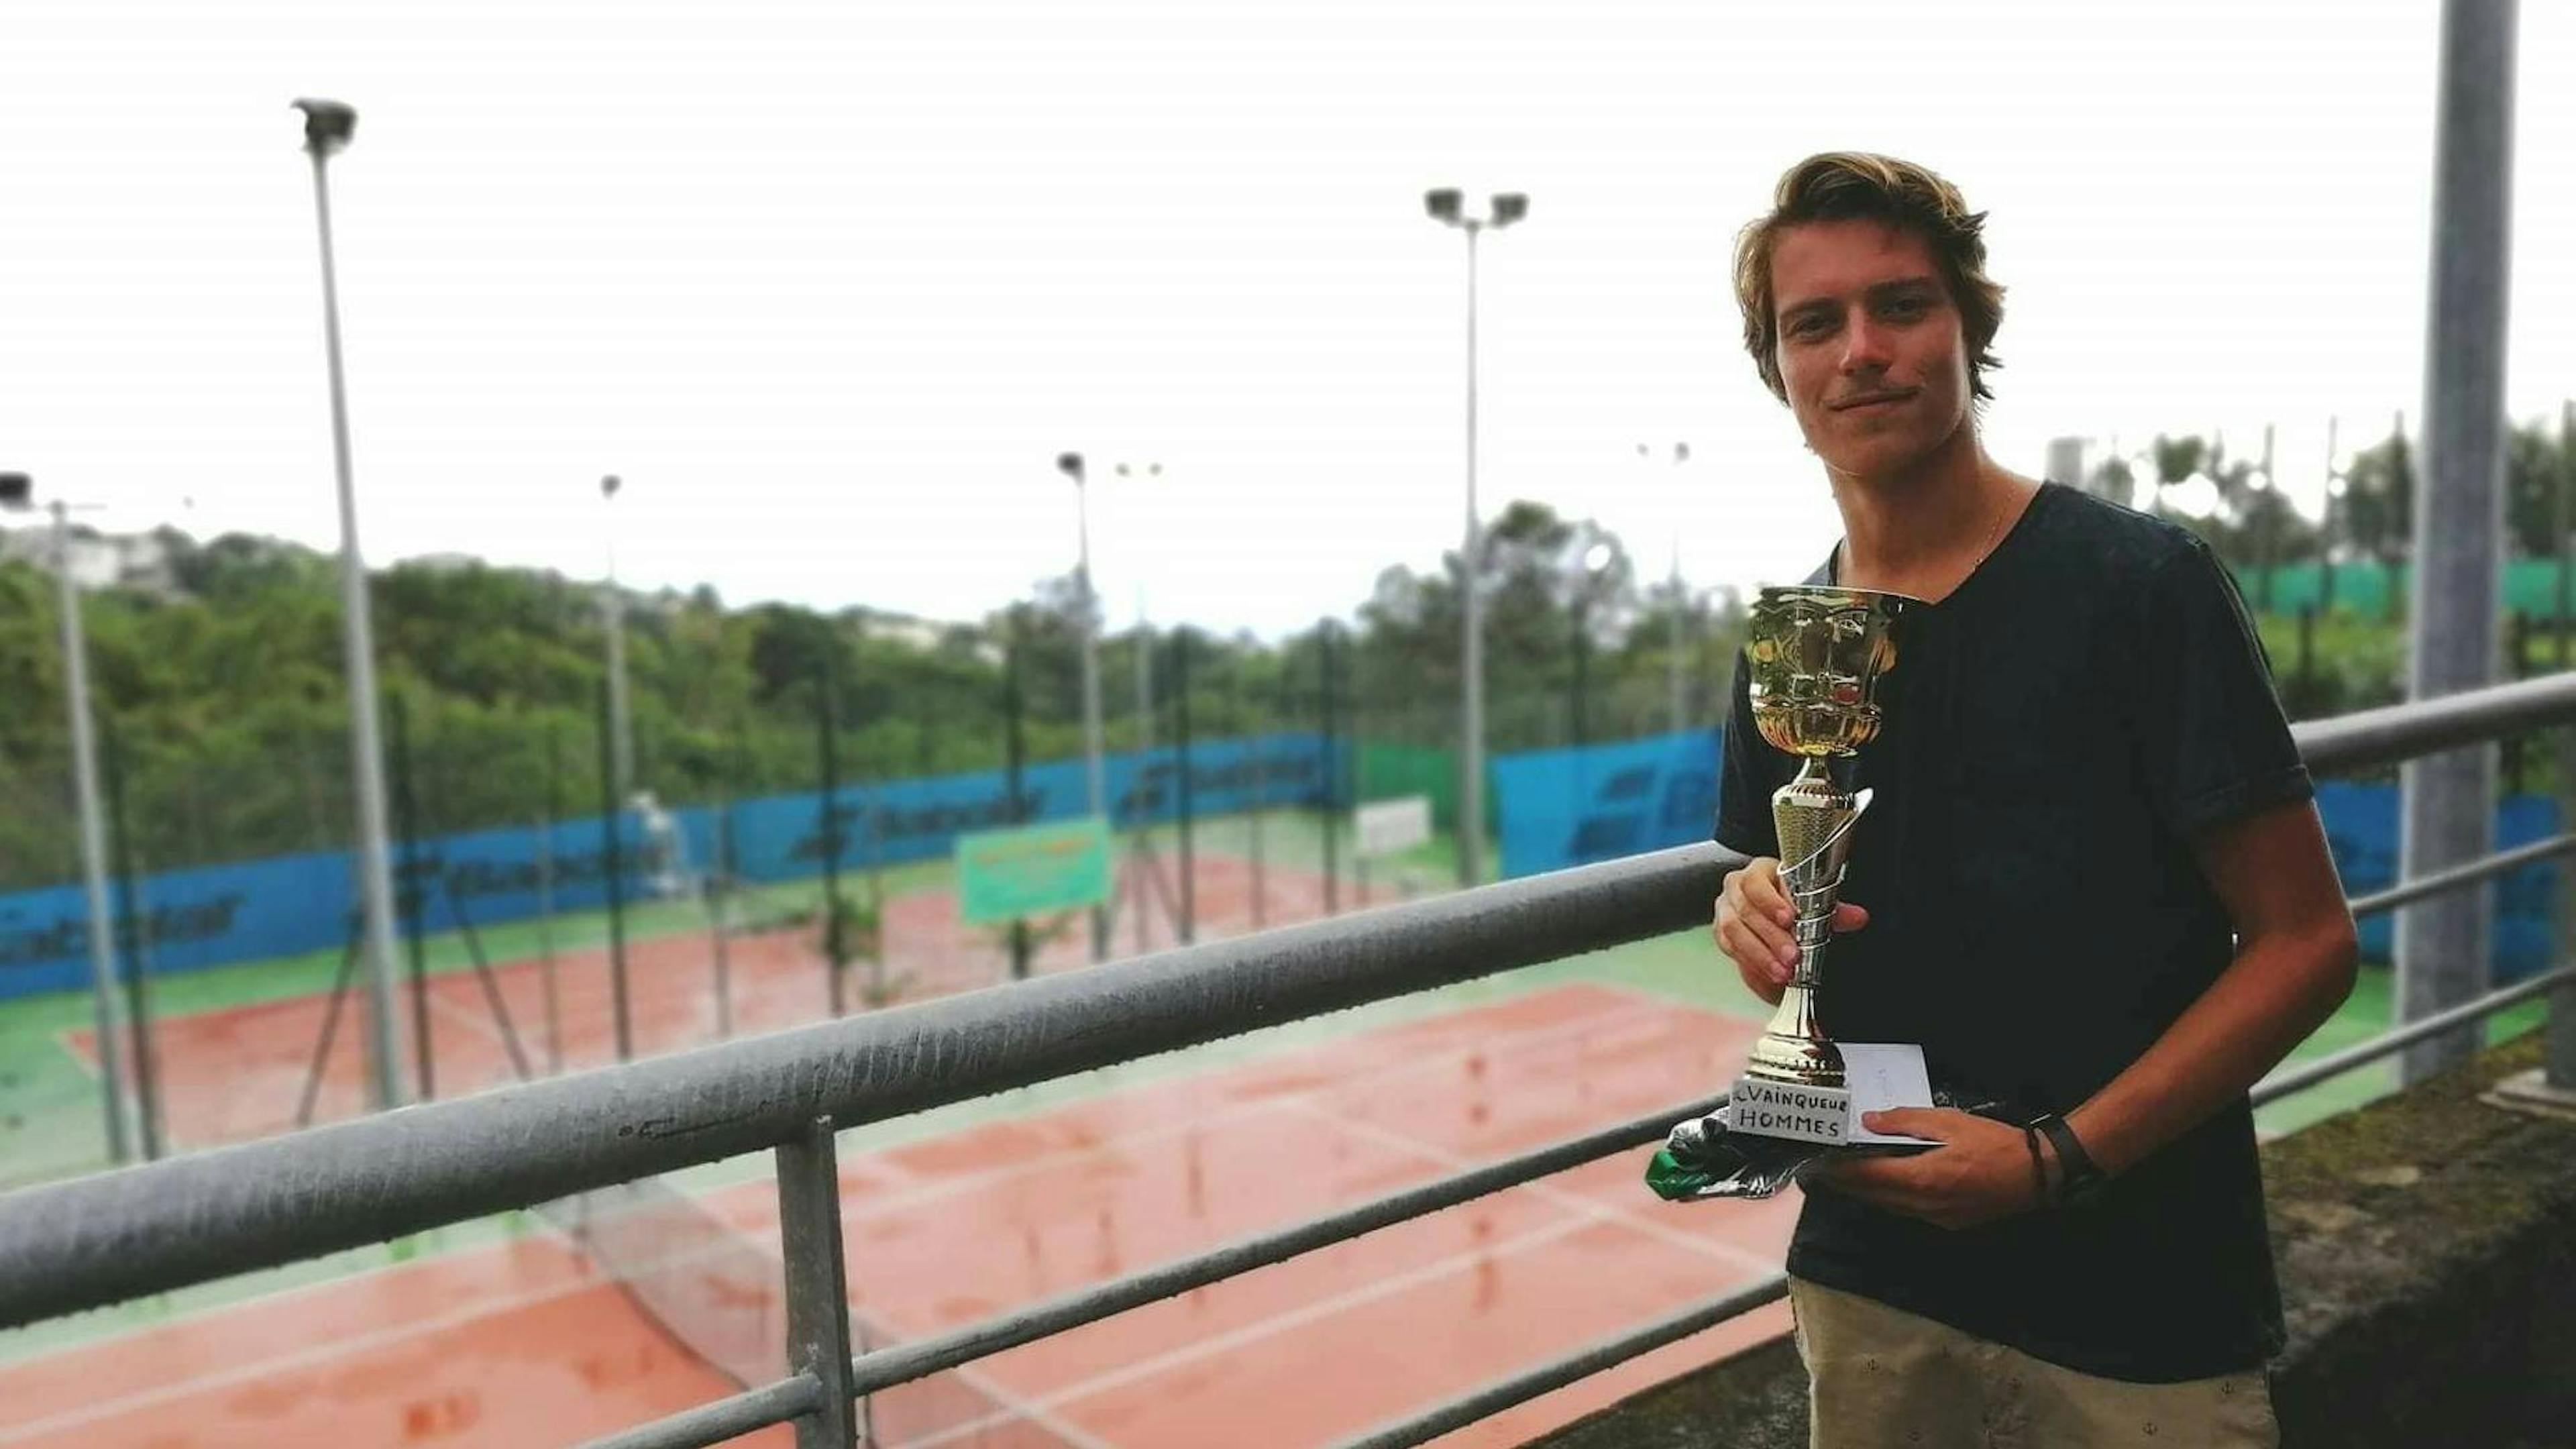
(2436, 882)
(2395, 732)
(162, 1225)
(1492, 1399)
(2282, 1083)
(730, 1417)
(158, 1226)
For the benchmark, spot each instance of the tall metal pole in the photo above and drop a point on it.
(327, 127)
(102, 931)
(1673, 643)
(1095, 770)
(1471, 724)
(2459, 513)
(2265, 559)
(1681, 711)
(621, 723)
(2326, 540)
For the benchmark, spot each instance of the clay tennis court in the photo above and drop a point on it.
(240, 1072)
(529, 1345)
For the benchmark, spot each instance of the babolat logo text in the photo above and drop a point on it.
(1779, 1109)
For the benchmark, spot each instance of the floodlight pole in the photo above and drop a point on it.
(14, 493)
(1095, 771)
(328, 126)
(621, 724)
(1444, 206)
(1681, 455)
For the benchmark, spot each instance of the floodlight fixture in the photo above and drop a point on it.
(1443, 204)
(1509, 207)
(16, 489)
(1070, 465)
(609, 485)
(328, 125)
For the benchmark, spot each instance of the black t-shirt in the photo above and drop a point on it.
(2058, 730)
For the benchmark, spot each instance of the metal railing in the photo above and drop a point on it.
(102, 1239)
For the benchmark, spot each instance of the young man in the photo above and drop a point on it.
(2091, 880)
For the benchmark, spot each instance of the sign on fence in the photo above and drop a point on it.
(1034, 870)
(1388, 826)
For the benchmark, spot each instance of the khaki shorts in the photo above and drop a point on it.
(1881, 1377)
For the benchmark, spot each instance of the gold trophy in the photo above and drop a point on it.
(1815, 657)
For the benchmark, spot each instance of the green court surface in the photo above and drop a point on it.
(50, 1103)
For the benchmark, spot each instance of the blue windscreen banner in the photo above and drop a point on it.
(1568, 807)
(1587, 803)
(2362, 826)
(289, 905)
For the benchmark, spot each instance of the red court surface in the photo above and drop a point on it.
(239, 1072)
(526, 1346)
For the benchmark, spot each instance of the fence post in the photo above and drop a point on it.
(1326, 684)
(1181, 770)
(818, 1291)
(827, 751)
(2559, 1045)
(410, 900)
(2558, 1055)
(138, 954)
(1015, 752)
(614, 873)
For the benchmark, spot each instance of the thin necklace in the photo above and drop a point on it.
(1994, 534)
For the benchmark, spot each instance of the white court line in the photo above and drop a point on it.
(1013, 1407)
(1277, 1323)
(491, 1030)
(990, 1177)
(63, 1038)
(319, 1353)
(1571, 1202)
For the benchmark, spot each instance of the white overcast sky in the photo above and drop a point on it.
(831, 284)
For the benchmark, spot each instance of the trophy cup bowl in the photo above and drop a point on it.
(1815, 656)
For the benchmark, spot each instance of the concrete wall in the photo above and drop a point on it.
(2427, 1249)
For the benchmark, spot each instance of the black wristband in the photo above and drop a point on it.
(2038, 1168)
(2079, 1177)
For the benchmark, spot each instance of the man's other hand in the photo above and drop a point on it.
(1980, 1172)
(1753, 926)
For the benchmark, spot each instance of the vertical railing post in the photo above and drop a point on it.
(818, 1291)
(2448, 798)
(2558, 1052)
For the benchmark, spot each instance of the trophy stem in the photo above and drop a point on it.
(1813, 817)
